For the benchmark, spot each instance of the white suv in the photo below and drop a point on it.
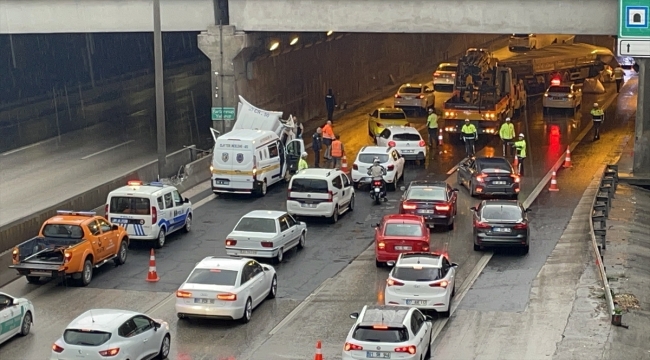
(389, 158)
(407, 140)
(320, 193)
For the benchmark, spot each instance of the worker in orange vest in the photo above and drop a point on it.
(328, 137)
(337, 151)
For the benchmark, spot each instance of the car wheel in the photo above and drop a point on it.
(165, 345)
(450, 227)
(477, 247)
(160, 241)
(248, 311)
(280, 256)
(459, 180)
(188, 224)
(33, 279)
(351, 204)
(301, 241)
(263, 189)
(379, 264)
(27, 324)
(525, 249)
(274, 288)
(122, 254)
(472, 192)
(393, 186)
(335, 215)
(87, 273)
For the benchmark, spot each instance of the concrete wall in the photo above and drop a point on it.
(592, 17)
(296, 82)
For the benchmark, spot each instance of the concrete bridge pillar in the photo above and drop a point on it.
(642, 133)
(224, 46)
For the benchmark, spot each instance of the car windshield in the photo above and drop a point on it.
(410, 90)
(369, 158)
(260, 225)
(559, 89)
(403, 230)
(427, 193)
(392, 116)
(501, 213)
(213, 277)
(309, 185)
(447, 68)
(129, 205)
(494, 165)
(407, 137)
(63, 231)
(390, 335)
(85, 337)
(416, 273)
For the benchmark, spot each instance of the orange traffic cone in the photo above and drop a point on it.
(515, 164)
(344, 164)
(440, 137)
(152, 276)
(319, 352)
(553, 183)
(567, 158)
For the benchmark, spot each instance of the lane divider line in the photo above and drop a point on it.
(28, 147)
(107, 149)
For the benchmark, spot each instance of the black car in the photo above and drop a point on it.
(501, 223)
(435, 201)
(488, 176)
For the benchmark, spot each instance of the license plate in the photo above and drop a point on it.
(498, 182)
(502, 230)
(204, 301)
(250, 252)
(308, 205)
(120, 221)
(403, 248)
(407, 151)
(558, 98)
(416, 302)
(425, 211)
(377, 355)
(40, 273)
(408, 97)
(222, 182)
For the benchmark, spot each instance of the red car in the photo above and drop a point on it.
(399, 233)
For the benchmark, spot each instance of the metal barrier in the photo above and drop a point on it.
(601, 206)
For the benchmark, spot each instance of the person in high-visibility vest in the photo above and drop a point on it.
(328, 137)
(302, 164)
(469, 136)
(337, 152)
(520, 147)
(432, 127)
(507, 134)
(597, 116)
(619, 74)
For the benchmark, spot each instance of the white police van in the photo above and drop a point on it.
(149, 211)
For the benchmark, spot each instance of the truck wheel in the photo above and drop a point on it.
(120, 259)
(86, 273)
(33, 279)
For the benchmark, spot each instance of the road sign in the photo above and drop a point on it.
(634, 47)
(633, 19)
(226, 113)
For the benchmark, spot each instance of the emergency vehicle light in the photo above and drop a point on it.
(134, 183)
(156, 183)
(555, 82)
(76, 213)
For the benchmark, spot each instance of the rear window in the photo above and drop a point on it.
(407, 137)
(130, 205)
(63, 231)
(403, 230)
(390, 335)
(369, 158)
(392, 116)
(409, 273)
(495, 165)
(447, 68)
(309, 185)
(501, 212)
(85, 338)
(559, 89)
(409, 90)
(429, 193)
(213, 277)
(260, 225)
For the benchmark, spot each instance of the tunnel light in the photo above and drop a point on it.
(294, 41)
(330, 33)
(274, 45)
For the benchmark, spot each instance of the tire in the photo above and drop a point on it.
(33, 279)
(86, 273)
(165, 345)
(122, 254)
(248, 311)
(188, 224)
(301, 241)
(393, 186)
(379, 264)
(180, 316)
(525, 250)
(427, 355)
(263, 189)
(335, 215)
(477, 247)
(160, 240)
(280, 257)
(351, 204)
(26, 325)
(450, 227)
(471, 189)
(274, 288)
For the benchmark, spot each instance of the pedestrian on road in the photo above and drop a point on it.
(520, 147)
(432, 125)
(507, 134)
(317, 145)
(337, 152)
(619, 74)
(328, 137)
(299, 128)
(302, 164)
(330, 104)
(597, 116)
(469, 136)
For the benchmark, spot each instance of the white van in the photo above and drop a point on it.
(248, 161)
(149, 211)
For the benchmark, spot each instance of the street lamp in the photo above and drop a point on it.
(160, 89)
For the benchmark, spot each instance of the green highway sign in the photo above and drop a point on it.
(225, 113)
(633, 19)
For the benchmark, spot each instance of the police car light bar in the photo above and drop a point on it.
(134, 183)
(156, 183)
(76, 213)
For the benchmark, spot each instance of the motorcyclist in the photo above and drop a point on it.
(377, 172)
(302, 164)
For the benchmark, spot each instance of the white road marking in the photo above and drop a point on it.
(28, 147)
(108, 149)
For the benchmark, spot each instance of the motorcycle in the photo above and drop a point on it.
(377, 192)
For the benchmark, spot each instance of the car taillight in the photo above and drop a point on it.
(391, 282)
(57, 349)
(183, 294)
(154, 215)
(254, 173)
(406, 349)
(267, 244)
(355, 167)
(391, 144)
(106, 210)
(521, 226)
(421, 97)
(397, 96)
(516, 178)
(422, 143)
(66, 257)
(481, 178)
(350, 346)
(424, 246)
(436, 74)
(227, 297)
(407, 206)
(453, 75)
(442, 284)
(15, 255)
(391, 167)
(376, 183)
(442, 207)
(231, 242)
(330, 196)
(381, 245)
(481, 225)
(110, 352)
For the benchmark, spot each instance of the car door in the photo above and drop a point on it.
(372, 121)
(426, 328)
(286, 237)
(258, 285)
(177, 214)
(10, 318)
(96, 241)
(448, 273)
(452, 196)
(294, 150)
(383, 138)
(338, 192)
(348, 190)
(167, 214)
(108, 238)
(417, 325)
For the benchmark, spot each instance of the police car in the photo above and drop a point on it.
(149, 211)
(16, 316)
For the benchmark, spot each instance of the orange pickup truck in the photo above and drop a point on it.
(71, 244)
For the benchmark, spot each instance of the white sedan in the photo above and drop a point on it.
(423, 280)
(16, 316)
(388, 157)
(266, 234)
(407, 140)
(115, 334)
(562, 96)
(226, 288)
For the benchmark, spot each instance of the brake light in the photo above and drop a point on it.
(391, 282)
(421, 97)
(231, 242)
(66, 257)
(407, 206)
(350, 346)
(330, 196)
(227, 297)
(267, 244)
(422, 143)
(481, 178)
(442, 207)
(521, 226)
(516, 178)
(154, 215)
(442, 284)
(57, 349)
(355, 167)
(406, 349)
(481, 225)
(453, 74)
(380, 327)
(15, 254)
(424, 246)
(110, 352)
(391, 144)
(397, 96)
(381, 245)
(391, 167)
(436, 74)
(183, 294)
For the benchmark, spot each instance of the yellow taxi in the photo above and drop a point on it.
(382, 118)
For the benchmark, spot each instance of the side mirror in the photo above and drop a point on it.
(402, 188)
(473, 208)
(354, 315)
(376, 226)
(187, 200)
(454, 265)
(527, 210)
(266, 268)
(114, 227)
(428, 317)
(156, 325)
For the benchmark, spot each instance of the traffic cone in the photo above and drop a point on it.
(553, 183)
(515, 164)
(152, 276)
(344, 164)
(567, 158)
(319, 352)
(440, 137)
